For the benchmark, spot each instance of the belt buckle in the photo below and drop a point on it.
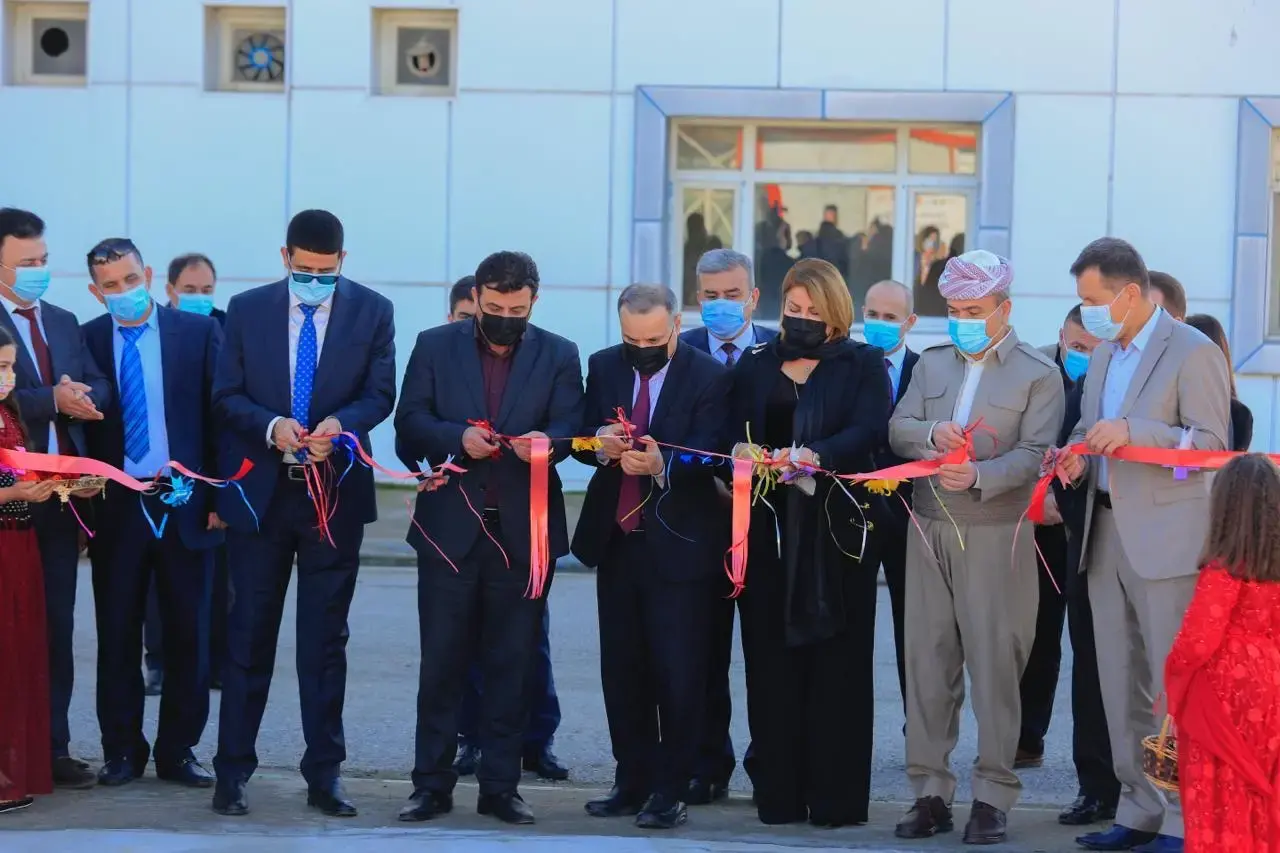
(297, 473)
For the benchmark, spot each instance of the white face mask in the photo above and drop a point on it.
(1097, 321)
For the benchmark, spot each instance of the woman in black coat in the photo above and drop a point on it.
(1241, 416)
(808, 609)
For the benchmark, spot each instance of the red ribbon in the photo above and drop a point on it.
(539, 542)
(736, 559)
(494, 436)
(78, 466)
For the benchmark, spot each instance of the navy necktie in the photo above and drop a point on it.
(304, 371)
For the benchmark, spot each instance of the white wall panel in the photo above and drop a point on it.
(550, 44)
(168, 41)
(841, 45)
(683, 43)
(332, 45)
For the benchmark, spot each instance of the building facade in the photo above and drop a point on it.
(614, 140)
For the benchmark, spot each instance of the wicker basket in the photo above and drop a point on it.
(1160, 758)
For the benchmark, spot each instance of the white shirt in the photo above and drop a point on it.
(24, 332)
(296, 319)
(896, 360)
(148, 345)
(744, 341)
(1123, 365)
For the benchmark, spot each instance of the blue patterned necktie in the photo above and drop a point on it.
(133, 396)
(304, 371)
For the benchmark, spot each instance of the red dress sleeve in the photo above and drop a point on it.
(1204, 627)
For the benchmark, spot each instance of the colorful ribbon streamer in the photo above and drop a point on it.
(539, 543)
(736, 559)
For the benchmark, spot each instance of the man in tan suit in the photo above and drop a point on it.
(971, 587)
(1159, 384)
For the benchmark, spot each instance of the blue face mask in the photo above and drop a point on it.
(882, 333)
(196, 303)
(724, 318)
(969, 336)
(130, 306)
(1076, 364)
(1097, 321)
(30, 283)
(311, 288)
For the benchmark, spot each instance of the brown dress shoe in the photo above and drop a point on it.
(1026, 760)
(928, 817)
(986, 824)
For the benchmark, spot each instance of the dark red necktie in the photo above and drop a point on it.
(44, 360)
(629, 495)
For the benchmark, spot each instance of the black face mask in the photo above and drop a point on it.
(501, 331)
(802, 333)
(646, 360)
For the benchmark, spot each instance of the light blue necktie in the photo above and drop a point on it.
(133, 396)
(304, 371)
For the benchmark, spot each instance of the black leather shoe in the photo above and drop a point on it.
(468, 759)
(617, 803)
(186, 772)
(508, 808)
(987, 824)
(1025, 759)
(229, 799)
(661, 812)
(331, 799)
(16, 805)
(426, 805)
(153, 684)
(70, 772)
(1086, 810)
(544, 763)
(1116, 838)
(928, 817)
(703, 792)
(119, 771)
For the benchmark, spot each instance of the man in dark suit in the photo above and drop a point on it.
(656, 584)
(887, 317)
(473, 602)
(728, 296)
(305, 359)
(59, 389)
(162, 365)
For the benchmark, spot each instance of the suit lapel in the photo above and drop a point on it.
(701, 339)
(276, 345)
(170, 358)
(1095, 379)
(909, 359)
(1156, 345)
(97, 337)
(342, 319)
(521, 371)
(675, 375)
(466, 353)
(26, 360)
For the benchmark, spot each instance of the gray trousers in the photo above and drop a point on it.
(971, 607)
(1134, 623)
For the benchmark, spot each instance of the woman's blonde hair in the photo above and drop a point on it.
(827, 291)
(1244, 519)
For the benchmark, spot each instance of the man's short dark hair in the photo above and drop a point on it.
(461, 291)
(182, 263)
(507, 272)
(109, 251)
(316, 231)
(1117, 261)
(20, 224)
(1073, 316)
(1175, 295)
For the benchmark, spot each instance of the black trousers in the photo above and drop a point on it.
(260, 566)
(1090, 746)
(1044, 663)
(895, 528)
(540, 698)
(716, 759)
(478, 613)
(58, 532)
(654, 636)
(215, 628)
(126, 558)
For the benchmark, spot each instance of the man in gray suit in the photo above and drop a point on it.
(1159, 384)
(971, 586)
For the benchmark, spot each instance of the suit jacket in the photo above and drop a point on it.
(682, 527)
(1019, 400)
(1181, 382)
(443, 389)
(700, 338)
(70, 358)
(217, 314)
(189, 347)
(355, 382)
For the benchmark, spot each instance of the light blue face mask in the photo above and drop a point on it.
(1076, 364)
(196, 303)
(312, 288)
(969, 335)
(1097, 321)
(724, 318)
(129, 306)
(882, 334)
(30, 283)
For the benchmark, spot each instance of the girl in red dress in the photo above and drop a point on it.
(24, 669)
(1223, 673)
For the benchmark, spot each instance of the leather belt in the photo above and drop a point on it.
(489, 515)
(1102, 499)
(295, 473)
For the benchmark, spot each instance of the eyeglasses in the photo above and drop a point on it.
(112, 249)
(325, 278)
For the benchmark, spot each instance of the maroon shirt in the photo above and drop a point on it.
(495, 369)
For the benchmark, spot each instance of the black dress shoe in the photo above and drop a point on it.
(1025, 759)
(987, 824)
(153, 684)
(468, 759)
(928, 817)
(331, 799)
(426, 805)
(186, 772)
(508, 808)
(703, 792)
(662, 812)
(617, 803)
(544, 763)
(1086, 810)
(119, 771)
(1116, 838)
(15, 805)
(229, 799)
(69, 772)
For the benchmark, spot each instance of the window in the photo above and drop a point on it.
(415, 52)
(876, 200)
(245, 49)
(48, 43)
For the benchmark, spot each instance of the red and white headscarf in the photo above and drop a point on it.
(974, 275)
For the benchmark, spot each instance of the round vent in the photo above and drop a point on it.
(260, 58)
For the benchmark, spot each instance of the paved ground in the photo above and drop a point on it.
(379, 716)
